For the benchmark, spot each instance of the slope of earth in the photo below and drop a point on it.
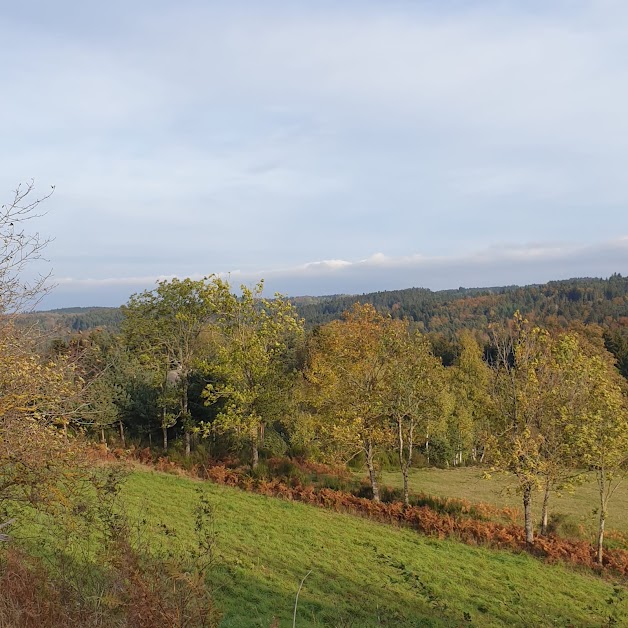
(362, 573)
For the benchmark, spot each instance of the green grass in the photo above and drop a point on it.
(363, 573)
(468, 483)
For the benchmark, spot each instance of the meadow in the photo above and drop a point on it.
(362, 573)
(577, 509)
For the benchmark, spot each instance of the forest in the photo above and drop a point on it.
(297, 399)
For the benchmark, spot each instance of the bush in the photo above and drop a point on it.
(357, 462)
(388, 461)
(364, 490)
(261, 471)
(274, 444)
(298, 450)
(564, 525)
(288, 471)
(199, 455)
(336, 483)
(441, 452)
(390, 495)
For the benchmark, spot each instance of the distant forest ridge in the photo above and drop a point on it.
(587, 300)
(75, 319)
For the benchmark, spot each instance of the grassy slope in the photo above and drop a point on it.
(467, 483)
(363, 573)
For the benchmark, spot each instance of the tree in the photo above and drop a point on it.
(600, 431)
(557, 370)
(521, 390)
(415, 395)
(469, 425)
(252, 375)
(35, 401)
(97, 368)
(347, 382)
(616, 341)
(39, 463)
(19, 249)
(169, 326)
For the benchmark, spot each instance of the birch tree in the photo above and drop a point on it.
(348, 381)
(600, 432)
(469, 377)
(416, 397)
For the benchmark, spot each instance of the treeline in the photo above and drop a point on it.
(590, 300)
(68, 320)
(441, 314)
(199, 371)
(601, 301)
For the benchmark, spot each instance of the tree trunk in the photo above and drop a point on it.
(372, 475)
(427, 448)
(103, 440)
(164, 431)
(544, 511)
(601, 479)
(600, 535)
(406, 492)
(185, 415)
(527, 511)
(254, 452)
(122, 438)
(404, 464)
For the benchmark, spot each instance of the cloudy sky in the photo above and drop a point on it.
(326, 146)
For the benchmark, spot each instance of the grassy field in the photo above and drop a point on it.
(468, 483)
(362, 573)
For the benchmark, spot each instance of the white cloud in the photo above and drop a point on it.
(503, 265)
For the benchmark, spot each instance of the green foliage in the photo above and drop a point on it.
(274, 444)
(616, 341)
(251, 369)
(169, 329)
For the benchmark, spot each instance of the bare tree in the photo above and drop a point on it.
(19, 248)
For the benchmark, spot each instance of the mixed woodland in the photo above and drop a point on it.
(526, 382)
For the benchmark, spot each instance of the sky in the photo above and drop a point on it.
(327, 147)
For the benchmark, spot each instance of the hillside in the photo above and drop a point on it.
(73, 319)
(589, 300)
(363, 573)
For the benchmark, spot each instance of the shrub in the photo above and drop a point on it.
(336, 483)
(566, 526)
(364, 490)
(261, 471)
(274, 444)
(288, 471)
(357, 462)
(389, 495)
